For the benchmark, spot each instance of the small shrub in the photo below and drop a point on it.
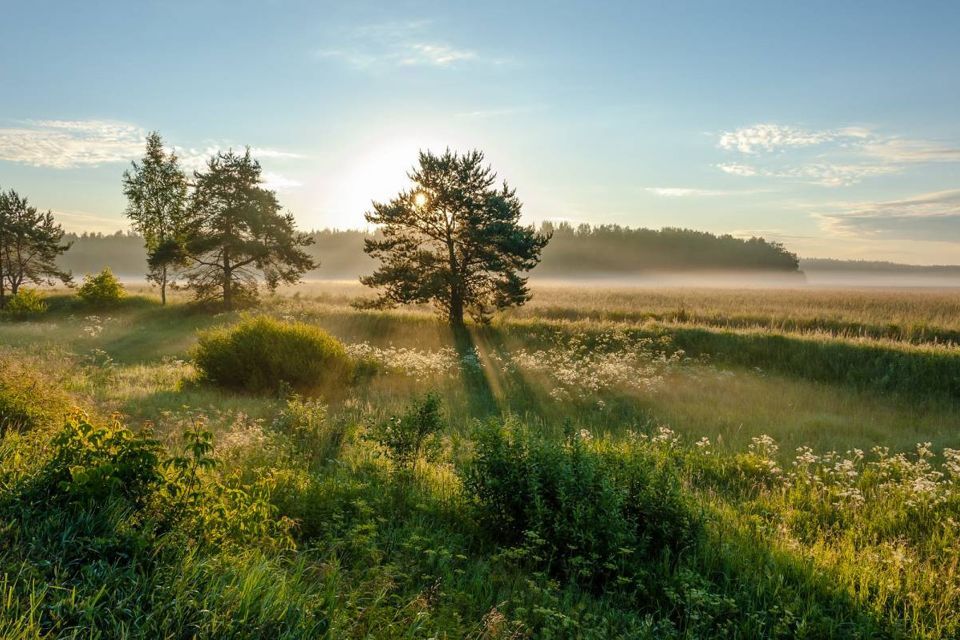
(305, 422)
(94, 462)
(261, 354)
(584, 513)
(102, 289)
(26, 400)
(26, 304)
(413, 434)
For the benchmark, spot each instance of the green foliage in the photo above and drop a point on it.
(261, 354)
(97, 462)
(587, 514)
(30, 244)
(413, 434)
(609, 249)
(101, 290)
(238, 235)
(186, 485)
(305, 421)
(454, 239)
(156, 191)
(26, 304)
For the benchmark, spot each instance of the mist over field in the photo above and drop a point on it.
(607, 256)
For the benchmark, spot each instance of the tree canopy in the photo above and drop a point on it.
(156, 191)
(454, 239)
(238, 235)
(30, 242)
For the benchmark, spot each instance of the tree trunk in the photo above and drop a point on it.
(3, 285)
(163, 285)
(227, 284)
(456, 308)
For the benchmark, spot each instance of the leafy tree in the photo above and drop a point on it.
(30, 242)
(238, 235)
(454, 240)
(156, 191)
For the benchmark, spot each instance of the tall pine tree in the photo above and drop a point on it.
(454, 239)
(238, 234)
(30, 242)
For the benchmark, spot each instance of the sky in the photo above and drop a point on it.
(833, 127)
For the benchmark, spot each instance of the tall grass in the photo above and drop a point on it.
(555, 501)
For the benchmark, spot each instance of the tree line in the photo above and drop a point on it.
(574, 252)
(453, 239)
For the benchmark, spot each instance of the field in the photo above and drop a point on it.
(792, 453)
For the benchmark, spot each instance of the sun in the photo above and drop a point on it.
(420, 199)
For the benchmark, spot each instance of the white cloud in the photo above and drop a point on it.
(822, 173)
(195, 158)
(278, 182)
(736, 169)
(843, 157)
(930, 217)
(261, 152)
(771, 137)
(438, 55)
(904, 151)
(693, 192)
(65, 144)
(482, 114)
(405, 43)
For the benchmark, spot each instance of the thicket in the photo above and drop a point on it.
(27, 303)
(101, 290)
(260, 354)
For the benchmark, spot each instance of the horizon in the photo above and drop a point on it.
(829, 129)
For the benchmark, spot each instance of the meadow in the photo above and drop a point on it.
(610, 462)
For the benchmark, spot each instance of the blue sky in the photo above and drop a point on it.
(831, 126)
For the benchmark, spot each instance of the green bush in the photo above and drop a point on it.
(102, 289)
(94, 462)
(585, 513)
(408, 436)
(260, 354)
(27, 303)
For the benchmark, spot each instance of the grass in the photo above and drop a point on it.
(303, 526)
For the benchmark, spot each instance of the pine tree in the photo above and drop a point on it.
(156, 191)
(30, 242)
(238, 234)
(454, 239)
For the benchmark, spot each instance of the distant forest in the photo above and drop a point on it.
(574, 252)
(877, 267)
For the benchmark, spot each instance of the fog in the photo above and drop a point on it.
(812, 279)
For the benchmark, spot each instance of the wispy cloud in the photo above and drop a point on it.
(821, 173)
(840, 157)
(502, 112)
(931, 216)
(771, 137)
(404, 43)
(65, 144)
(69, 144)
(737, 169)
(196, 158)
(279, 182)
(693, 192)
